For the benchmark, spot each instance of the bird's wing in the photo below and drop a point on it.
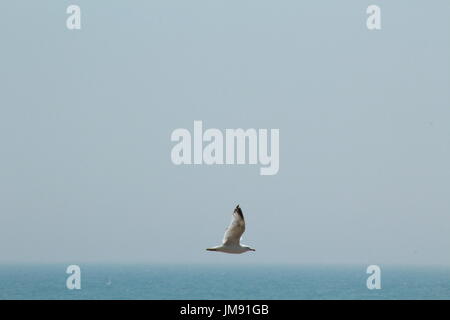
(236, 229)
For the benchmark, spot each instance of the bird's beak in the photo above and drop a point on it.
(253, 249)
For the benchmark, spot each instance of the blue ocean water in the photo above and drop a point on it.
(222, 282)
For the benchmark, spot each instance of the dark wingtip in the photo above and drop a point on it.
(239, 211)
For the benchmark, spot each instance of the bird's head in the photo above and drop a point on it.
(249, 249)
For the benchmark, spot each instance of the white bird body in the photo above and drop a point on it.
(232, 238)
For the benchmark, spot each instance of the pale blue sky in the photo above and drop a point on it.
(86, 118)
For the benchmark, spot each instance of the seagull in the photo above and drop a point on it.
(232, 237)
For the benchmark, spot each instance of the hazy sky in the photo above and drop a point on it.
(86, 118)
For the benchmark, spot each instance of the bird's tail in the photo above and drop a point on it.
(211, 249)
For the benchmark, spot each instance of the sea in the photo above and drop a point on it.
(222, 282)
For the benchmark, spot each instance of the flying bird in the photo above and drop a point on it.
(232, 237)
